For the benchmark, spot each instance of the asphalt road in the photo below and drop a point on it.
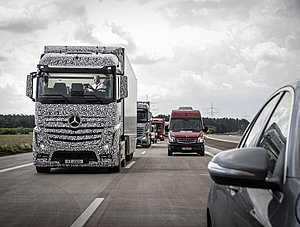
(153, 190)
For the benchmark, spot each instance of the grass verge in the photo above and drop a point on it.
(15, 144)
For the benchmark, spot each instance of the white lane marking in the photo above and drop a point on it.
(15, 167)
(228, 141)
(129, 165)
(210, 154)
(82, 219)
(144, 152)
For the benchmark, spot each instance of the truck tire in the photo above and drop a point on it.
(170, 153)
(123, 163)
(149, 142)
(42, 169)
(115, 169)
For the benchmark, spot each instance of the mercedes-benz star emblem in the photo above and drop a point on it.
(74, 121)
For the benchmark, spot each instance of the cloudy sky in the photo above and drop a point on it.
(231, 54)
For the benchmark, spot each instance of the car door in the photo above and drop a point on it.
(254, 207)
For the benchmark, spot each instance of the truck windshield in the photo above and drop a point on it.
(75, 88)
(158, 125)
(142, 116)
(186, 124)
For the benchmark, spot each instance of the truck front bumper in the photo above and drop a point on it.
(142, 140)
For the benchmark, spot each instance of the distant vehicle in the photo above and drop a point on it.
(160, 127)
(186, 132)
(166, 129)
(78, 125)
(144, 124)
(258, 183)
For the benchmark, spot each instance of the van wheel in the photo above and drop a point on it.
(201, 152)
(42, 169)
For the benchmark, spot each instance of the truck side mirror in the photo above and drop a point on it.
(29, 86)
(123, 87)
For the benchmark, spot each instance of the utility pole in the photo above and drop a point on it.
(212, 110)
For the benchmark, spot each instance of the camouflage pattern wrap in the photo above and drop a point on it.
(97, 128)
(88, 51)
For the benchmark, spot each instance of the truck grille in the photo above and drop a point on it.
(68, 135)
(186, 140)
(140, 131)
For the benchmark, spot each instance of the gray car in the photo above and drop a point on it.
(258, 183)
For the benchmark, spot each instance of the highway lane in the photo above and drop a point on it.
(157, 190)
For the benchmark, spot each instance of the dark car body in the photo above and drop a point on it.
(258, 183)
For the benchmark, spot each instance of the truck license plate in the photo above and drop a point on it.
(74, 161)
(186, 148)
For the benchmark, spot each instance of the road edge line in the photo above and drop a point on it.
(15, 167)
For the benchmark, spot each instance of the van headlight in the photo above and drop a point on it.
(172, 139)
(200, 139)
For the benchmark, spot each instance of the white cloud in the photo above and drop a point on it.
(267, 51)
(232, 53)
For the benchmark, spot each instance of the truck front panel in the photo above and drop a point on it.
(76, 135)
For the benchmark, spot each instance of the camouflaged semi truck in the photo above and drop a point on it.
(76, 124)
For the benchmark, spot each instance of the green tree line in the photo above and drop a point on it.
(219, 125)
(16, 121)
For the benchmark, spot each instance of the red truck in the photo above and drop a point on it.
(186, 132)
(160, 127)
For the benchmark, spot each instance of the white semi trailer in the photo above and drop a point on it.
(76, 125)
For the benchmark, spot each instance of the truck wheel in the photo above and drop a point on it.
(149, 143)
(123, 163)
(116, 169)
(42, 169)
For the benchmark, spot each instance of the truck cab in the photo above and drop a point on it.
(144, 126)
(186, 132)
(77, 125)
(160, 127)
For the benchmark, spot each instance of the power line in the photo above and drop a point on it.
(212, 110)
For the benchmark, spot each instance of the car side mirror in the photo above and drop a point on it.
(29, 85)
(123, 87)
(244, 167)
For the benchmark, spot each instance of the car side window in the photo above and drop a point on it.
(276, 133)
(256, 130)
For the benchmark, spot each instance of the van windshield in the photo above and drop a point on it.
(186, 124)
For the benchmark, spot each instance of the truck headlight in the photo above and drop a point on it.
(172, 139)
(42, 146)
(106, 147)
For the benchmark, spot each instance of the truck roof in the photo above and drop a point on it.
(185, 114)
(83, 56)
(143, 104)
